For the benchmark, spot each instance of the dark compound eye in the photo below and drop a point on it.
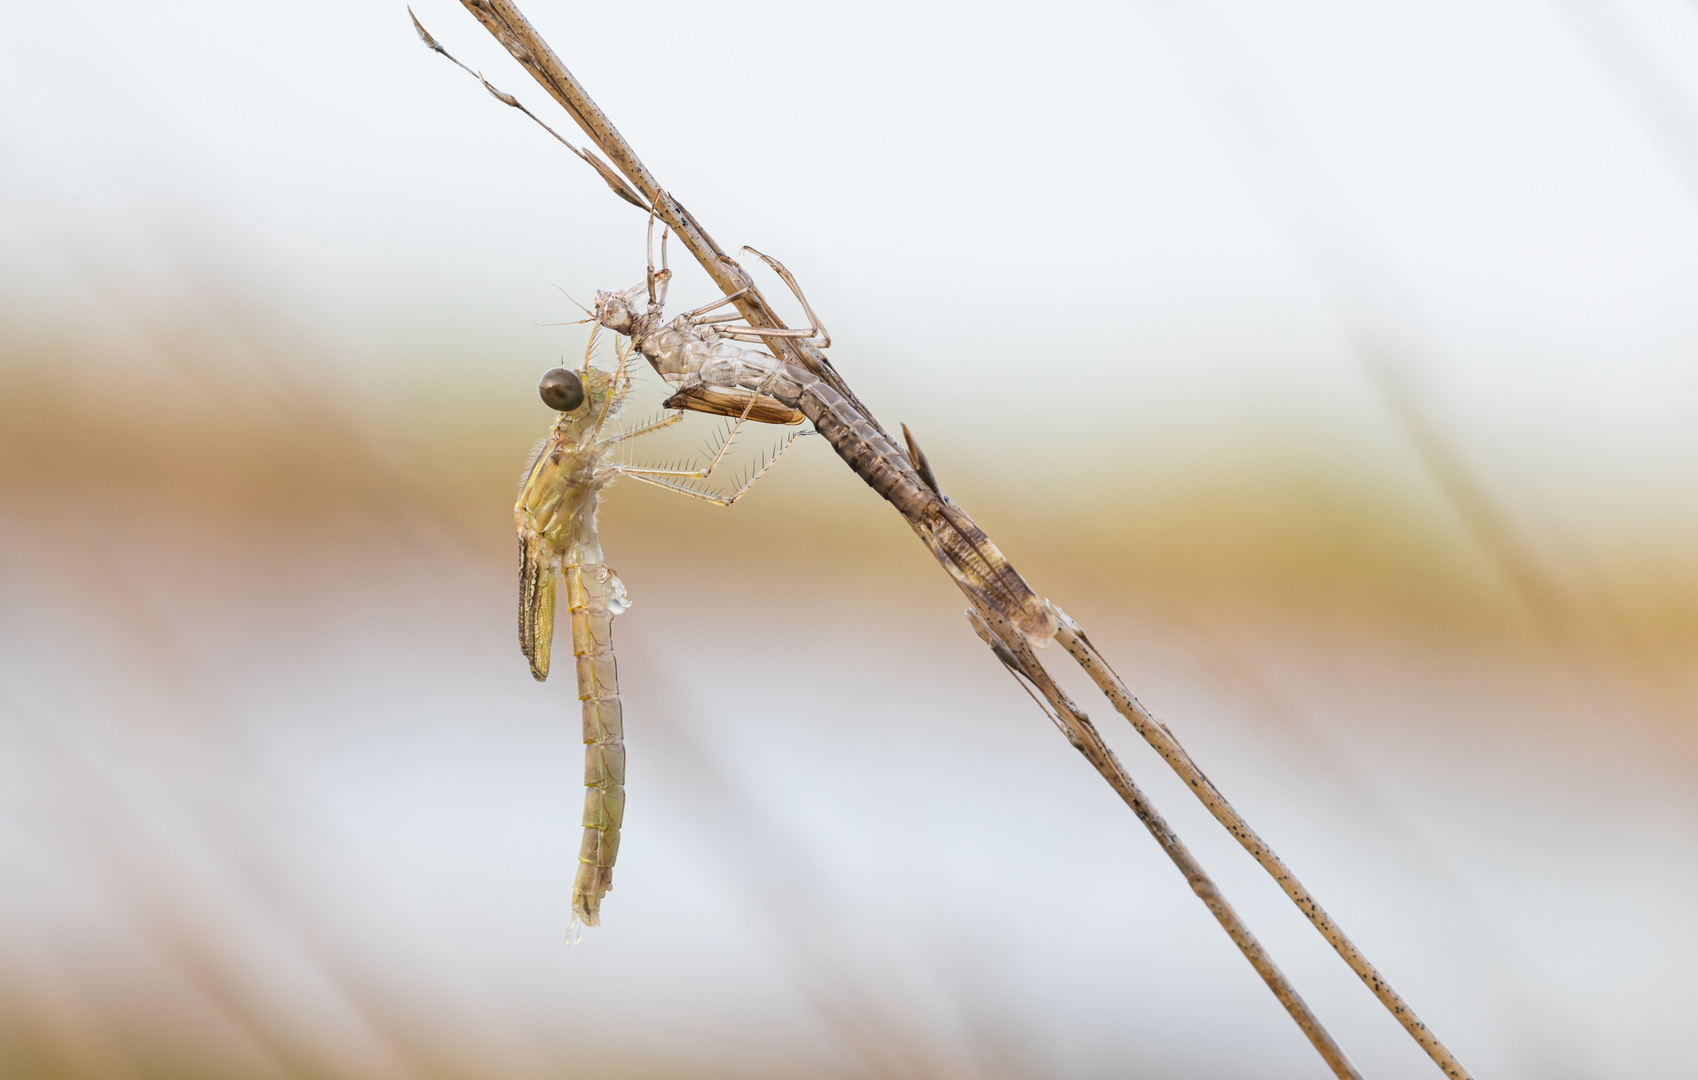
(561, 390)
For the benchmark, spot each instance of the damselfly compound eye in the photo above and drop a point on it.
(561, 390)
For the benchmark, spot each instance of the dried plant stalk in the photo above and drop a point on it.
(1156, 733)
(1015, 652)
(510, 27)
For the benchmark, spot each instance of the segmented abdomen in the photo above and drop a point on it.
(589, 590)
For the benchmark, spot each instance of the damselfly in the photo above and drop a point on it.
(556, 516)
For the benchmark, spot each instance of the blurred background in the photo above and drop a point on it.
(1332, 363)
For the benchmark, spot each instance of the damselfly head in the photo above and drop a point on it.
(561, 390)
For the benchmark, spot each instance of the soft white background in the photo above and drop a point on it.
(292, 805)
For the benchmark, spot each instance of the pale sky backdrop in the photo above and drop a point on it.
(277, 796)
(1062, 219)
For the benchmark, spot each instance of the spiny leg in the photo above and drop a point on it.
(657, 282)
(658, 478)
(692, 316)
(756, 333)
(725, 444)
(703, 473)
(790, 280)
(815, 329)
(646, 429)
(615, 393)
(595, 329)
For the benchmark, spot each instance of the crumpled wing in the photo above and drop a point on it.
(735, 403)
(538, 579)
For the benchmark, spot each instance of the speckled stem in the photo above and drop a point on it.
(863, 444)
(1073, 639)
(1017, 655)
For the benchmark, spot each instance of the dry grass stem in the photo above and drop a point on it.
(515, 33)
(1156, 733)
(1015, 652)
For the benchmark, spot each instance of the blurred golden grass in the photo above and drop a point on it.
(1302, 532)
(1304, 537)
